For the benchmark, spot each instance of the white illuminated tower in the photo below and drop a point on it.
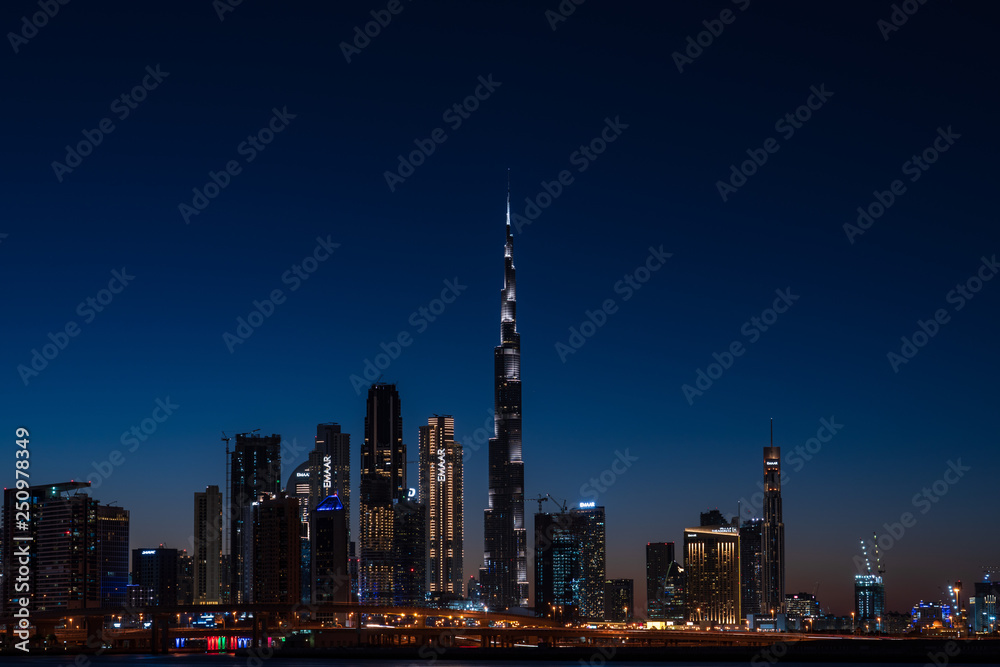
(505, 556)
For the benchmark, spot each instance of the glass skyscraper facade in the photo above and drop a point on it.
(441, 489)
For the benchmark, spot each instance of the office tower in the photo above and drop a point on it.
(112, 529)
(330, 468)
(712, 569)
(225, 578)
(869, 602)
(255, 471)
(298, 486)
(409, 554)
(800, 604)
(440, 484)
(570, 563)
(558, 565)
(985, 612)
(751, 567)
(590, 532)
(185, 578)
(674, 595)
(207, 548)
(78, 553)
(773, 533)
(154, 572)
(659, 556)
(275, 550)
(330, 574)
(619, 600)
(383, 481)
(505, 555)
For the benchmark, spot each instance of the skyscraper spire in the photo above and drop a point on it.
(505, 580)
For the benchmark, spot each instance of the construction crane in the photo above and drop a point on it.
(539, 500)
(562, 505)
(879, 568)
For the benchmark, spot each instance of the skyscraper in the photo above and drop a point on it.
(330, 468)
(773, 533)
(570, 563)
(409, 553)
(659, 556)
(331, 581)
(712, 569)
(383, 481)
(619, 600)
(207, 547)
(751, 567)
(255, 471)
(505, 555)
(276, 551)
(155, 572)
(440, 484)
(78, 555)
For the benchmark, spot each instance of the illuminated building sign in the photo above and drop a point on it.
(726, 529)
(411, 493)
(326, 472)
(301, 474)
(147, 552)
(588, 505)
(772, 463)
(441, 466)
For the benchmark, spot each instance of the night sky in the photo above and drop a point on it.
(642, 139)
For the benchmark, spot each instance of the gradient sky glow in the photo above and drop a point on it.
(655, 185)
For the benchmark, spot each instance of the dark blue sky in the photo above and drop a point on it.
(553, 91)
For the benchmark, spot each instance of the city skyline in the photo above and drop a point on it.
(178, 334)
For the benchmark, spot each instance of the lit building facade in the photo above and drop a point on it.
(570, 563)
(382, 483)
(207, 547)
(276, 551)
(441, 488)
(712, 569)
(803, 605)
(869, 602)
(505, 582)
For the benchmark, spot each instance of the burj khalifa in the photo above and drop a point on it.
(505, 579)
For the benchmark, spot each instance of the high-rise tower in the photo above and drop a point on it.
(441, 491)
(256, 472)
(383, 482)
(773, 533)
(505, 555)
